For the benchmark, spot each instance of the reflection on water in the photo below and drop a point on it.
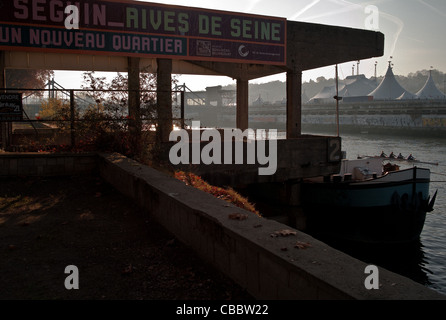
(408, 260)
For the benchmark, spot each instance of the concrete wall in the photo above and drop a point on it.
(40, 136)
(305, 157)
(46, 164)
(268, 265)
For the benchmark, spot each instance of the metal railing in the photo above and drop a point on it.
(116, 110)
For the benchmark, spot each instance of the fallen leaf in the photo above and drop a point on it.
(128, 269)
(284, 233)
(238, 216)
(86, 216)
(302, 245)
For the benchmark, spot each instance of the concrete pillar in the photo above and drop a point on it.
(134, 97)
(164, 97)
(294, 103)
(242, 116)
(4, 126)
(2, 70)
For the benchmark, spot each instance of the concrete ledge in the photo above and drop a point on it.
(268, 267)
(46, 164)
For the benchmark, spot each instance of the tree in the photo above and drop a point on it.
(28, 78)
(110, 117)
(113, 95)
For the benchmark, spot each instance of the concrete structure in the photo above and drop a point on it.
(309, 46)
(250, 249)
(46, 164)
(301, 46)
(270, 260)
(306, 157)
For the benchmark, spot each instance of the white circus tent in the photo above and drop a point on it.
(357, 86)
(350, 87)
(430, 90)
(407, 96)
(389, 88)
(325, 95)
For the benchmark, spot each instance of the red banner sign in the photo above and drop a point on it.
(141, 29)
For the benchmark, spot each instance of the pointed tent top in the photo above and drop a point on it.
(430, 90)
(259, 101)
(389, 88)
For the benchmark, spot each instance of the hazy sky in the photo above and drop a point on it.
(413, 29)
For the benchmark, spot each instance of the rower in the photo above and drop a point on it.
(400, 156)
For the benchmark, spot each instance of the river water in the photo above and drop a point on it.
(424, 261)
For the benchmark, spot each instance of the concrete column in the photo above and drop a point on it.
(4, 126)
(164, 97)
(242, 117)
(134, 97)
(294, 103)
(2, 70)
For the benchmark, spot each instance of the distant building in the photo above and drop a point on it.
(213, 96)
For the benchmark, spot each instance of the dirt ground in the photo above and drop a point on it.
(47, 224)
